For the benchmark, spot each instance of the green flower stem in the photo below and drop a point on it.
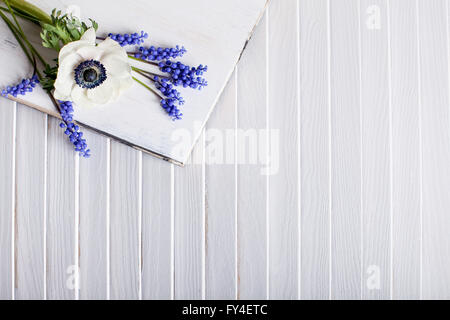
(31, 10)
(20, 32)
(146, 73)
(147, 87)
(141, 60)
(29, 55)
(24, 16)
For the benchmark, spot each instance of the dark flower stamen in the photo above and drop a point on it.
(90, 74)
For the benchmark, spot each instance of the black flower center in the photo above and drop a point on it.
(90, 74)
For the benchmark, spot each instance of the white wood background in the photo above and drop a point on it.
(358, 209)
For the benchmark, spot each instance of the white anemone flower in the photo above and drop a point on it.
(91, 74)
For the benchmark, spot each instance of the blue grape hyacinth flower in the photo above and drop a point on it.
(22, 88)
(157, 54)
(184, 75)
(129, 39)
(72, 130)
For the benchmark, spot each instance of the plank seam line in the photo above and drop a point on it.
(330, 270)
(299, 152)
(172, 231)
(391, 170)
(419, 89)
(77, 222)
(203, 206)
(361, 204)
(140, 190)
(235, 186)
(45, 202)
(108, 219)
(13, 202)
(267, 156)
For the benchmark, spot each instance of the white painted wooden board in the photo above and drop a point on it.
(375, 150)
(406, 151)
(94, 195)
(345, 80)
(7, 174)
(252, 210)
(434, 87)
(125, 222)
(220, 198)
(314, 149)
(157, 228)
(215, 37)
(61, 216)
(282, 162)
(30, 230)
(189, 226)
(363, 119)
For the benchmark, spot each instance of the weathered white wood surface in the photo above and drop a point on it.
(252, 184)
(375, 149)
(345, 105)
(30, 204)
(314, 150)
(406, 152)
(356, 94)
(435, 113)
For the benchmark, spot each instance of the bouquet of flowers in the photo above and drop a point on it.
(92, 70)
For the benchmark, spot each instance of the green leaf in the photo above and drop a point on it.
(63, 29)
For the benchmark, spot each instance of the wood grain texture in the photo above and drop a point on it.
(220, 206)
(125, 222)
(94, 218)
(283, 162)
(157, 233)
(406, 156)
(434, 84)
(376, 134)
(30, 212)
(62, 211)
(315, 154)
(189, 226)
(7, 187)
(345, 151)
(252, 211)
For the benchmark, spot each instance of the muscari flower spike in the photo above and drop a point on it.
(129, 39)
(22, 88)
(157, 54)
(72, 130)
(169, 105)
(184, 75)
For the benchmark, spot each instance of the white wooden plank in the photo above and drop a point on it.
(406, 155)
(220, 180)
(375, 115)
(434, 86)
(283, 168)
(252, 194)
(30, 199)
(157, 221)
(94, 215)
(213, 34)
(62, 194)
(7, 174)
(125, 214)
(315, 154)
(345, 150)
(189, 226)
